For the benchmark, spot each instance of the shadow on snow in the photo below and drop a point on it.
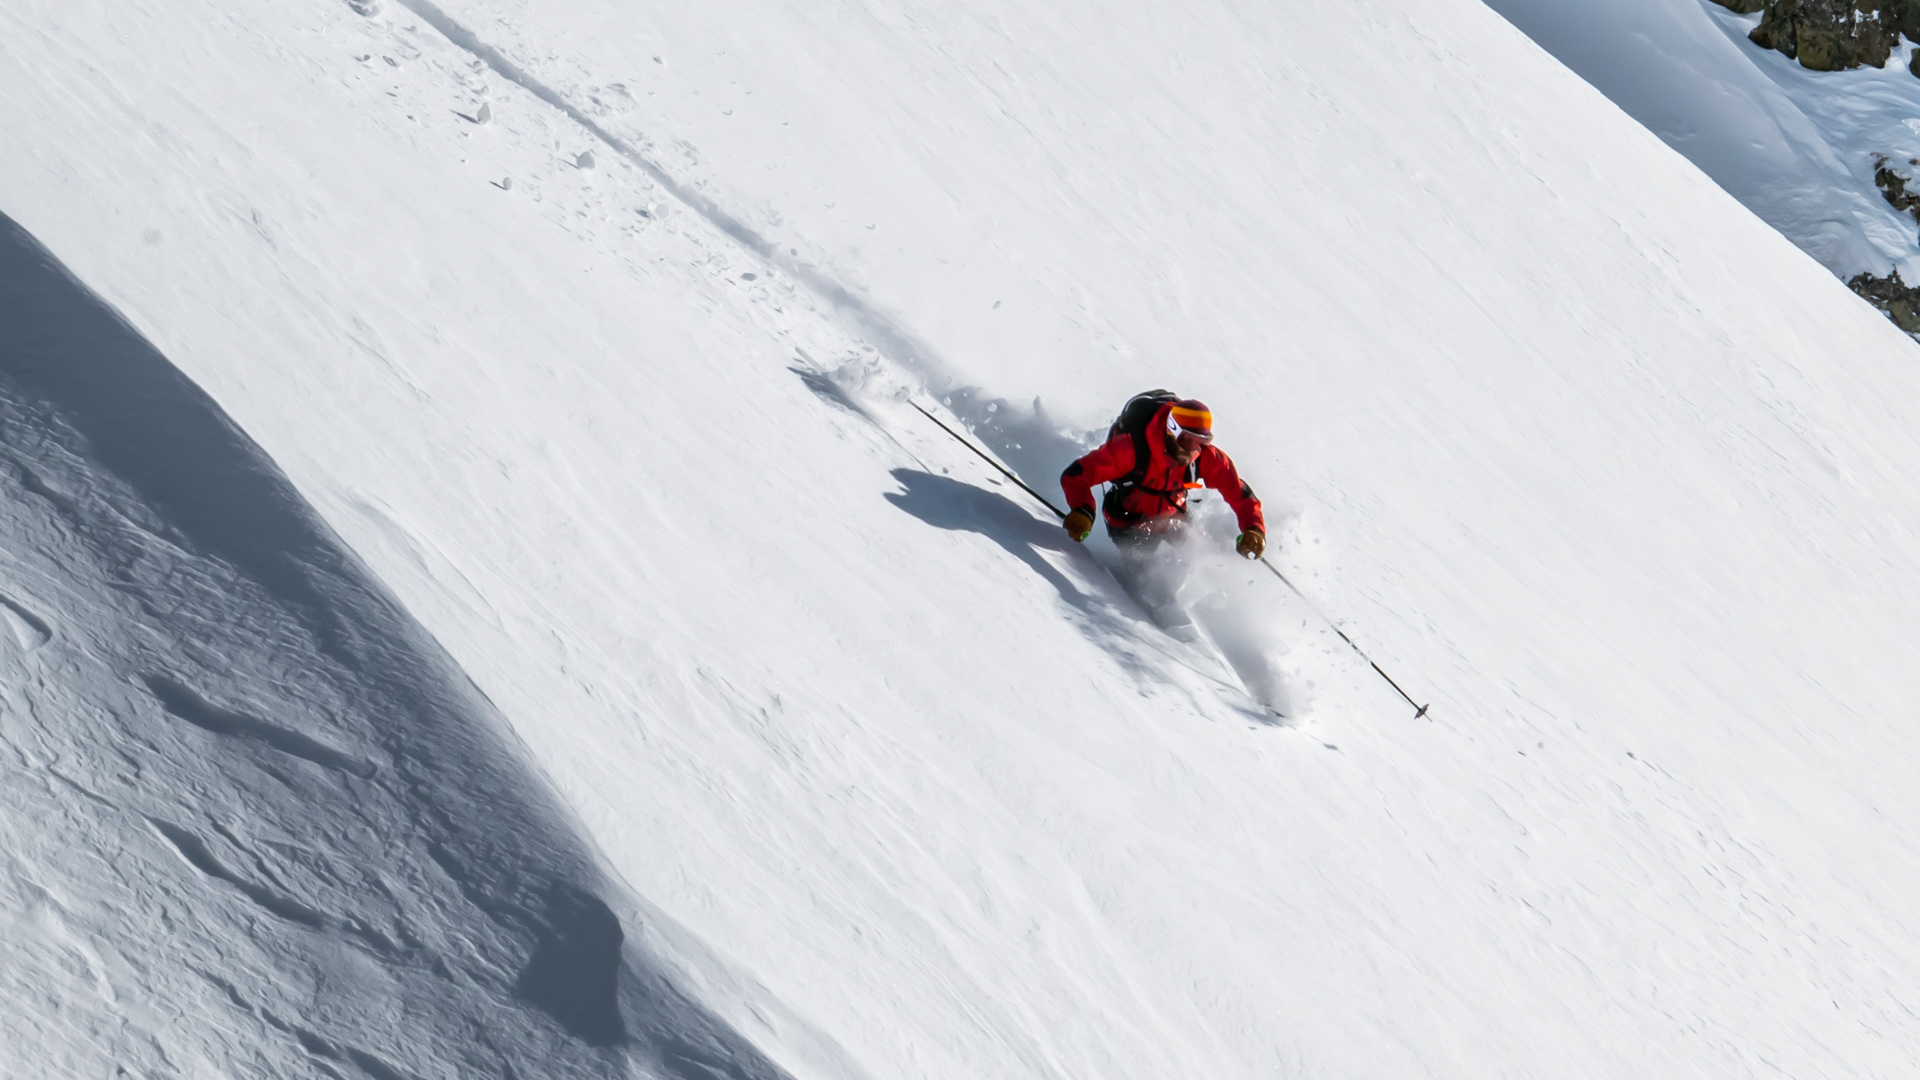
(1111, 619)
(143, 474)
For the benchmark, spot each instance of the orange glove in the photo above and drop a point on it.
(1079, 524)
(1252, 544)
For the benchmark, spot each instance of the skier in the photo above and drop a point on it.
(1160, 448)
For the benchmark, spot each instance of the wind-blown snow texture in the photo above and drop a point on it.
(355, 872)
(590, 328)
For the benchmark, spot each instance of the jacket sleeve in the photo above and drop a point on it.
(1217, 470)
(1111, 461)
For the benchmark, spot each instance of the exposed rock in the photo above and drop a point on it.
(1899, 300)
(1893, 186)
(1831, 35)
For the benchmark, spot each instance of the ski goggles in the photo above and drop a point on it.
(1190, 442)
(1189, 438)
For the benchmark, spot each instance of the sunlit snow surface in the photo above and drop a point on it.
(878, 773)
(1799, 147)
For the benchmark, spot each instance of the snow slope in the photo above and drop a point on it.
(1798, 147)
(886, 775)
(256, 822)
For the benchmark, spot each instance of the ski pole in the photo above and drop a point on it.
(964, 441)
(1419, 709)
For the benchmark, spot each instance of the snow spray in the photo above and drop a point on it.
(1419, 709)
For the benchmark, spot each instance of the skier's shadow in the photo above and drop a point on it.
(1111, 621)
(946, 503)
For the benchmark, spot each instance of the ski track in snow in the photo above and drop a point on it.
(872, 330)
(1238, 625)
(883, 360)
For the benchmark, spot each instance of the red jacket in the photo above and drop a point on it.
(1161, 492)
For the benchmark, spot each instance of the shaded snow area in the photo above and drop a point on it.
(255, 822)
(590, 661)
(1798, 147)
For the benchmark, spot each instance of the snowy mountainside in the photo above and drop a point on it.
(256, 823)
(1798, 147)
(908, 783)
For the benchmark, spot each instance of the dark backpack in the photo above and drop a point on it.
(1132, 421)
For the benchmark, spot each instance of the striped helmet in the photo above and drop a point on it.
(1190, 418)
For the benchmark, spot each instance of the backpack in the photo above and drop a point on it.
(1132, 421)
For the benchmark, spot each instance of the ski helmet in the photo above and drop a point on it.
(1190, 418)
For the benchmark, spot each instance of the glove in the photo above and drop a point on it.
(1079, 524)
(1252, 544)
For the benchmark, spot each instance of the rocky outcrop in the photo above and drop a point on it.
(1893, 187)
(1831, 35)
(1899, 300)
